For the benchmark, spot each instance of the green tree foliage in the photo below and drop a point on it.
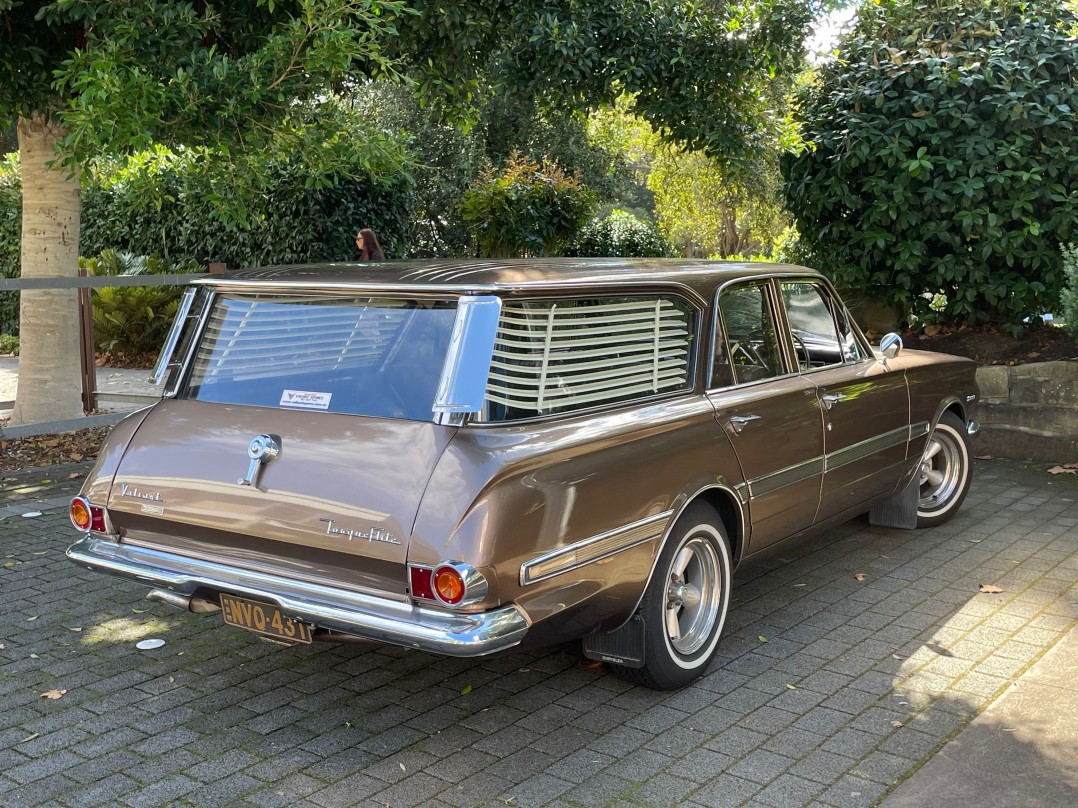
(525, 209)
(941, 155)
(701, 71)
(621, 234)
(703, 207)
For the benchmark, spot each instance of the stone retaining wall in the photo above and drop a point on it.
(1029, 412)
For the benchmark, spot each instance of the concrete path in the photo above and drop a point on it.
(827, 691)
(1021, 751)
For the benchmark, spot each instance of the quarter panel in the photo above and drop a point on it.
(503, 496)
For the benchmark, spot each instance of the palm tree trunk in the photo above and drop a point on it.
(49, 371)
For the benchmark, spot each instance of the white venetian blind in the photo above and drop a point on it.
(562, 355)
(249, 338)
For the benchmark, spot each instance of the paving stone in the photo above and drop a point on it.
(235, 719)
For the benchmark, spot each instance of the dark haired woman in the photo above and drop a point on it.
(369, 248)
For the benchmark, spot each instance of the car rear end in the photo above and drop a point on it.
(280, 477)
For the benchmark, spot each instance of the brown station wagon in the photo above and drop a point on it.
(470, 457)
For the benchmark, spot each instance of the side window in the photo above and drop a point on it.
(815, 335)
(746, 347)
(557, 356)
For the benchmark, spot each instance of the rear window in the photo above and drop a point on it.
(359, 356)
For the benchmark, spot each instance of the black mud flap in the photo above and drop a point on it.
(623, 646)
(900, 510)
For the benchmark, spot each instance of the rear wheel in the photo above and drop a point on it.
(686, 602)
(945, 472)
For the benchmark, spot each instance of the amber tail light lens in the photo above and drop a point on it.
(449, 585)
(87, 517)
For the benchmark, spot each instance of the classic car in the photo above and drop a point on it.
(472, 457)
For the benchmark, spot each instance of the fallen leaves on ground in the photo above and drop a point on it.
(1066, 468)
(595, 665)
(990, 589)
(48, 450)
(859, 576)
(53, 694)
(896, 724)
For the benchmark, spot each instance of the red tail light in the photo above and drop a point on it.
(451, 583)
(87, 517)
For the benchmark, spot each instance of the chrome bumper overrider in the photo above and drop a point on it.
(374, 618)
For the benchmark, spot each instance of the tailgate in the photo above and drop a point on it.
(336, 504)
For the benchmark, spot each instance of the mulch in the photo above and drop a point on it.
(990, 345)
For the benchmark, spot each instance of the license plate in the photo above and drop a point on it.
(263, 618)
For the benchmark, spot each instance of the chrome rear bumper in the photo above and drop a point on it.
(367, 616)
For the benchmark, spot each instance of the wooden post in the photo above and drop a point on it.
(86, 345)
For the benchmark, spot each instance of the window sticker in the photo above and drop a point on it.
(304, 400)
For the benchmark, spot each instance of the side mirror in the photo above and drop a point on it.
(890, 345)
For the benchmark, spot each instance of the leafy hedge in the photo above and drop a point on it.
(623, 235)
(10, 236)
(167, 203)
(942, 156)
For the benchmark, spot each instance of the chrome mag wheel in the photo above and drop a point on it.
(693, 595)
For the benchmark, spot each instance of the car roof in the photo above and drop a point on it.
(510, 277)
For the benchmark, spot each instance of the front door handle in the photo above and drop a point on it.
(831, 399)
(738, 421)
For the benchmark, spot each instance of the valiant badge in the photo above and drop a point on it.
(262, 449)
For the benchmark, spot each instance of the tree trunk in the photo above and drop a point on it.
(49, 369)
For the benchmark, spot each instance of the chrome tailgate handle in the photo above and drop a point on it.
(831, 399)
(738, 421)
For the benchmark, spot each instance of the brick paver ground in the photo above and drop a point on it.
(827, 690)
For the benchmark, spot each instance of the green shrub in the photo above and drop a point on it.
(1068, 298)
(941, 155)
(168, 203)
(623, 235)
(525, 209)
(9, 344)
(133, 320)
(10, 236)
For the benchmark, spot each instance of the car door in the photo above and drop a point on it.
(769, 411)
(864, 403)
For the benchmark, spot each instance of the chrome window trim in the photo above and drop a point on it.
(173, 338)
(466, 367)
(614, 541)
(182, 373)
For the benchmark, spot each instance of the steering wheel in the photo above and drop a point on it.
(803, 348)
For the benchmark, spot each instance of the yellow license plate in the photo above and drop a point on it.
(263, 618)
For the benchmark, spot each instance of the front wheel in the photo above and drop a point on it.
(945, 472)
(685, 604)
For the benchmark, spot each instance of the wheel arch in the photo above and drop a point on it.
(726, 502)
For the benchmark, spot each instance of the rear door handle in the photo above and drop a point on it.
(831, 399)
(738, 421)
